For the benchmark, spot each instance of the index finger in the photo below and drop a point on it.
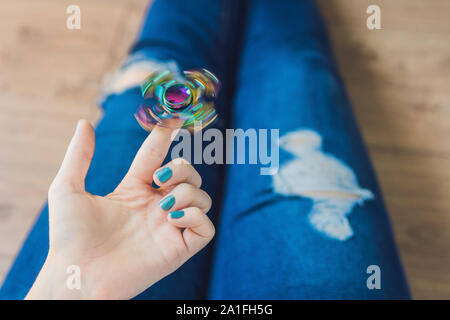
(151, 154)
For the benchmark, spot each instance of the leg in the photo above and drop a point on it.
(173, 32)
(311, 230)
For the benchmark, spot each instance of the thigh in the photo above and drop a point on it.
(188, 35)
(317, 226)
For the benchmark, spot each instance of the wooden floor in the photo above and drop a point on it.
(398, 79)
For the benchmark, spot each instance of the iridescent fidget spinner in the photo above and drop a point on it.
(188, 96)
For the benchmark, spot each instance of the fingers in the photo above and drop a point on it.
(151, 154)
(185, 195)
(175, 172)
(77, 160)
(199, 228)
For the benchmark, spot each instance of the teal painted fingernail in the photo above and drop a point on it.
(167, 202)
(154, 185)
(164, 174)
(176, 214)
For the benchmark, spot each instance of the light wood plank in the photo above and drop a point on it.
(397, 78)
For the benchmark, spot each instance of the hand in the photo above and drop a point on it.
(123, 242)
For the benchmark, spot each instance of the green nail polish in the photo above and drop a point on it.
(167, 202)
(176, 214)
(164, 174)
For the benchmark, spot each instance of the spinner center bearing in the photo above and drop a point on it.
(177, 97)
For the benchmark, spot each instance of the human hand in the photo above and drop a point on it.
(126, 241)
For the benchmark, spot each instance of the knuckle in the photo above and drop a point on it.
(211, 230)
(187, 170)
(186, 167)
(197, 213)
(187, 188)
(155, 152)
(208, 229)
(207, 199)
(199, 178)
(180, 161)
(85, 155)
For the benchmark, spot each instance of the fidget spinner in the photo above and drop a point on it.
(188, 96)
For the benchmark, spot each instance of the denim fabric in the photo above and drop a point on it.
(172, 31)
(286, 79)
(265, 247)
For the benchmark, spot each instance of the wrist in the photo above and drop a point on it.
(58, 280)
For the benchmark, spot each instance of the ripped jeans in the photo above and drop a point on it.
(313, 230)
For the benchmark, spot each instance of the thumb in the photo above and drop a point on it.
(77, 160)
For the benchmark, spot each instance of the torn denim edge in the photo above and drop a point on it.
(330, 184)
(110, 81)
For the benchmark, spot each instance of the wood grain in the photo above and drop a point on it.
(397, 78)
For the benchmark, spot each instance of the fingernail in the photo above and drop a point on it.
(164, 174)
(154, 185)
(167, 202)
(176, 214)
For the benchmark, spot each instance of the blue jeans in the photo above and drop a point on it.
(313, 230)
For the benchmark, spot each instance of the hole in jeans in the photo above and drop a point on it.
(327, 181)
(133, 74)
